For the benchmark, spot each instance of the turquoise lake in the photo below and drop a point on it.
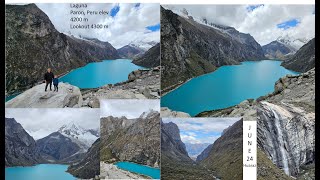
(225, 87)
(98, 74)
(140, 169)
(39, 172)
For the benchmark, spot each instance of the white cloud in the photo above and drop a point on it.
(130, 108)
(202, 124)
(129, 25)
(40, 122)
(201, 130)
(261, 23)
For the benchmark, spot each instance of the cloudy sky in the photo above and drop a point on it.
(201, 130)
(130, 108)
(130, 22)
(264, 22)
(40, 122)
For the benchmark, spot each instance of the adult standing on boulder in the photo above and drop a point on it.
(48, 77)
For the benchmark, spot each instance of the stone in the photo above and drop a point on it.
(35, 97)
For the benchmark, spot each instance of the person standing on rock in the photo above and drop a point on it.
(55, 83)
(48, 77)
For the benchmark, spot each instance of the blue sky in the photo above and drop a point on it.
(253, 7)
(201, 130)
(154, 28)
(114, 11)
(288, 24)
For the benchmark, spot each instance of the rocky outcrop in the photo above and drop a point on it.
(277, 50)
(89, 166)
(33, 45)
(36, 97)
(226, 153)
(190, 49)
(20, 147)
(129, 51)
(303, 60)
(166, 112)
(110, 171)
(141, 84)
(149, 59)
(57, 148)
(135, 140)
(175, 162)
(204, 154)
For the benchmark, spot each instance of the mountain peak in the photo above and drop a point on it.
(148, 113)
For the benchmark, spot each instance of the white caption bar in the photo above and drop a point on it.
(170, 1)
(250, 150)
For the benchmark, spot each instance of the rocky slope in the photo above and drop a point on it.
(36, 97)
(303, 60)
(166, 112)
(89, 166)
(175, 162)
(204, 154)
(225, 158)
(141, 84)
(57, 148)
(277, 50)
(189, 48)
(33, 44)
(20, 147)
(149, 59)
(129, 51)
(286, 120)
(135, 140)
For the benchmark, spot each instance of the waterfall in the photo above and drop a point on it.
(281, 143)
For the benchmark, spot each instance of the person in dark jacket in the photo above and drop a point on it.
(48, 77)
(55, 83)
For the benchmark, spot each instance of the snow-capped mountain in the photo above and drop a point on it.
(226, 30)
(143, 44)
(295, 43)
(83, 137)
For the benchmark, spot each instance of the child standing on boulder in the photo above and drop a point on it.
(55, 83)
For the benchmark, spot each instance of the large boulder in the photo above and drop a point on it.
(67, 96)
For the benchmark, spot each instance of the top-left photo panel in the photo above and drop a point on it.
(73, 55)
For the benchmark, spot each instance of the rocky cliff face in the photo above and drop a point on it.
(33, 44)
(277, 50)
(149, 59)
(175, 162)
(303, 60)
(135, 140)
(129, 51)
(190, 49)
(57, 148)
(285, 120)
(286, 134)
(20, 147)
(89, 166)
(226, 153)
